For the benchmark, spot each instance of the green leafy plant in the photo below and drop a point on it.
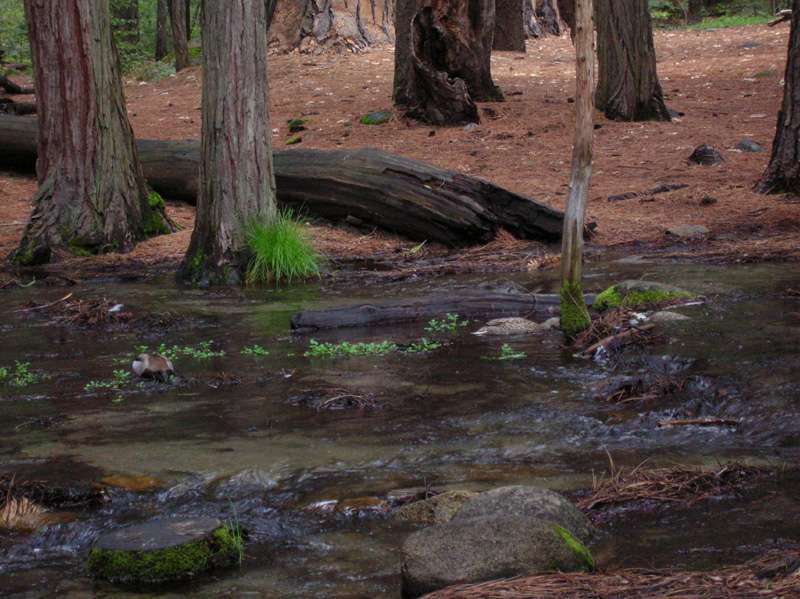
(506, 353)
(345, 348)
(281, 250)
(448, 324)
(422, 346)
(121, 378)
(21, 375)
(255, 351)
(204, 352)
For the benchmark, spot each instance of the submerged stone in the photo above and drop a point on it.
(163, 551)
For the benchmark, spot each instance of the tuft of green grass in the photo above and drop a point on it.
(281, 250)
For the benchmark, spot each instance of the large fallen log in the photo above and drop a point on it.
(414, 199)
(466, 304)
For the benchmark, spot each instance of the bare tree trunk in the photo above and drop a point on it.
(180, 37)
(509, 34)
(783, 172)
(92, 196)
(162, 39)
(574, 317)
(450, 65)
(237, 181)
(694, 12)
(548, 17)
(628, 87)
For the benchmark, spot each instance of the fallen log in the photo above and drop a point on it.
(466, 304)
(12, 87)
(414, 199)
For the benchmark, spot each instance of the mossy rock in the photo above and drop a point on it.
(163, 551)
(376, 118)
(633, 293)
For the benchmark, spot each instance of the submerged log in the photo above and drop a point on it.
(473, 304)
(414, 199)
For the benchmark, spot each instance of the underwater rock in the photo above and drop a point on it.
(164, 550)
(363, 506)
(136, 484)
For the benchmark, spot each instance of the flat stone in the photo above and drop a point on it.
(687, 231)
(162, 533)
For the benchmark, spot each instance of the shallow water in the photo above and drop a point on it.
(449, 418)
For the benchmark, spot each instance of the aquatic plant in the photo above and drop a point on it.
(255, 351)
(422, 346)
(506, 353)
(345, 348)
(21, 375)
(281, 250)
(448, 324)
(203, 352)
(121, 378)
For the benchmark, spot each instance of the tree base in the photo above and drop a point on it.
(574, 315)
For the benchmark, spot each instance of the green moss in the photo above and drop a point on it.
(195, 52)
(610, 298)
(155, 200)
(77, 248)
(26, 257)
(294, 140)
(297, 123)
(165, 565)
(582, 555)
(640, 298)
(574, 315)
(376, 118)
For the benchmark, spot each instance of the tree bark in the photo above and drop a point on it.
(340, 25)
(509, 32)
(548, 17)
(404, 13)
(180, 36)
(566, 8)
(783, 171)
(449, 64)
(574, 316)
(529, 23)
(162, 38)
(628, 87)
(694, 12)
(466, 304)
(92, 195)
(237, 182)
(411, 198)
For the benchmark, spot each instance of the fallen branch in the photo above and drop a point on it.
(781, 16)
(635, 194)
(45, 306)
(705, 421)
(12, 87)
(617, 337)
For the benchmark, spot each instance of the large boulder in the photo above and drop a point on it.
(529, 502)
(510, 531)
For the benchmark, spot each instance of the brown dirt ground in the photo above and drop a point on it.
(729, 92)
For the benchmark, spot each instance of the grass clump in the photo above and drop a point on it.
(281, 250)
(506, 353)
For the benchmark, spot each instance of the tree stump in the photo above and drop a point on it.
(164, 550)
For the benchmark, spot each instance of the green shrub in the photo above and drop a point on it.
(281, 250)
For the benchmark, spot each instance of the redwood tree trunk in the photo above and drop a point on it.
(628, 87)
(92, 195)
(548, 17)
(566, 9)
(162, 38)
(783, 172)
(180, 36)
(694, 13)
(449, 66)
(237, 182)
(509, 33)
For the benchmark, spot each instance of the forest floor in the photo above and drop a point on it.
(728, 84)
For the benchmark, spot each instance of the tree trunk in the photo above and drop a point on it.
(694, 12)
(509, 33)
(180, 37)
(450, 65)
(125, 18)
(574, 316)
(162, 38)
(566, 8)
(404, 14)
(342, 25)
(548, 17)
(375, 188)
(529, 22)
(628, 87)
(92, 195)
(237, 183)
(783, 172)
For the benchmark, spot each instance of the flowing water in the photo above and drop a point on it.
(254, 451)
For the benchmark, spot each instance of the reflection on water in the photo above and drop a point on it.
(224, 439)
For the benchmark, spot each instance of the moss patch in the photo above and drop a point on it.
(574, 315)
(77, 248)
(376, 118)
(165, 565)
(582, 555)
(294, 140)
(636, 294)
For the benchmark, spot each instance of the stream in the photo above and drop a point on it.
(235, 436)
